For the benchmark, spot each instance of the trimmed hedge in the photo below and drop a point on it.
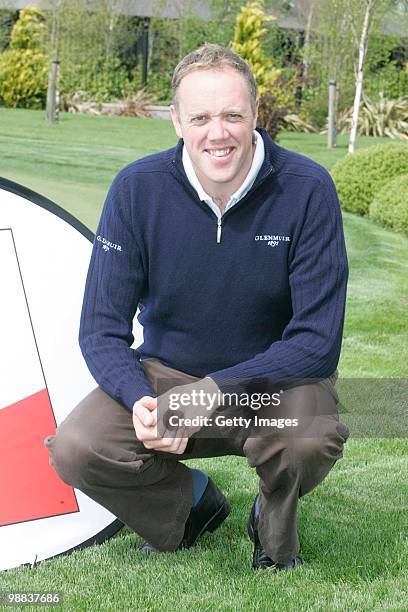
(361, 175)
(390, 205)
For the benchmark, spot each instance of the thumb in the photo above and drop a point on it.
(149, 402)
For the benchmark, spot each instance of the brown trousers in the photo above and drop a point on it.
(96, 451)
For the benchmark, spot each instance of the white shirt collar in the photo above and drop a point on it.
(257, 161)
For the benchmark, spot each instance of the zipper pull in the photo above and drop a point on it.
(219, 229)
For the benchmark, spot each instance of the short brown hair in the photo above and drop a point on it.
(214, 56)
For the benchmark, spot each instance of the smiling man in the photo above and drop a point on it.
(216, 118)
(232, 248)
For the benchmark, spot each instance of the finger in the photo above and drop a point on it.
(142, 414)
(169, 443)
(166, 441)
(179, 442)
(158, 446)
(153, 439)
(144, 433)
(146, 417)
(162, 442)
(149, 402)
(182, 446)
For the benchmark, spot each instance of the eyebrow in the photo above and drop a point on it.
(238, 111)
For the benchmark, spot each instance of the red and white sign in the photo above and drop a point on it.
(44, 256)
(30, 487)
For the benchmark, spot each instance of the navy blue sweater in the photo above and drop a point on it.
(267, 301)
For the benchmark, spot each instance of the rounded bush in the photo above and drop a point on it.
(24, 64)
(361, 175)
(390, 205)
(23, 79)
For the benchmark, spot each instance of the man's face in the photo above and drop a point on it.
(216, 122)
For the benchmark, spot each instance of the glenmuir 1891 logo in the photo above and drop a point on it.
(106, 244)
(272, 239)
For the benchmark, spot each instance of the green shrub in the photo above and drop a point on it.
(360, 176)
(270, 115)
(105, 80)
(390, 205)
(382, 117)
(24, 65)
(248, 40)
(293, 123)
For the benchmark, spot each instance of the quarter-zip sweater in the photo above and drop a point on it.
(260, 295)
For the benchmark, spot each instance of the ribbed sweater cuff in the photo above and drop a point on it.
(227, 385)
(132, 392)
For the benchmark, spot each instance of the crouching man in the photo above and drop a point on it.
(232, 247)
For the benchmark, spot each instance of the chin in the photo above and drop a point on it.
(223, 177)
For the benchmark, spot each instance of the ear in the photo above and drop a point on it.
(176, 121)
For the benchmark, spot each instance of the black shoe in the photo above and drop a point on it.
(260, 559)
(212, 509)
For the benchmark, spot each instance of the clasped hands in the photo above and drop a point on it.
(150, 417)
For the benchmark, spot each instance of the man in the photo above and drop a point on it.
(233, 249)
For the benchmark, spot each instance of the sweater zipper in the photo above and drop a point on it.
(219, 220)
(219, 230)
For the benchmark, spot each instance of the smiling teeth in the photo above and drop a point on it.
(220, 152)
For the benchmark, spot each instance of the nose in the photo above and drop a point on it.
(216, 130)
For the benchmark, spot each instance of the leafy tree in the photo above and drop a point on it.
(273, 90)
(24, 64)
(171, 40)
(249, 32)
(370, 7)
(333, 54)
(93, 41)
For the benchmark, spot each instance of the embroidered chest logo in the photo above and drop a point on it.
(272, 240)
(107, 245)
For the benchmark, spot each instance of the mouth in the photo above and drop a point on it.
(219, 153)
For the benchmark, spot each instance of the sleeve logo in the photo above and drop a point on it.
(107, 245)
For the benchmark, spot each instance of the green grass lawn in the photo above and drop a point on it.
(353, 527)
(74, 162)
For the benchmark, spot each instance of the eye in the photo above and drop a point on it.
(234, 116)
(199, 119)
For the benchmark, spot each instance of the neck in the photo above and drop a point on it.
(220, 192)
(221, 202)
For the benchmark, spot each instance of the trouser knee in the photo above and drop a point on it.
(69, 456)
(301, 461)
(311, 458)
(85, 463)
